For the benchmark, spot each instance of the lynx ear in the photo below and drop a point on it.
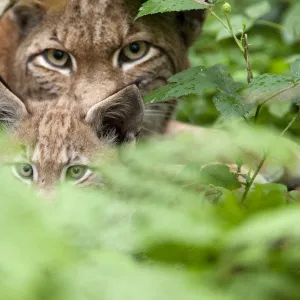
(12, 109)
(27, 14)
(156, 117)
(190, 24)
(120, 115)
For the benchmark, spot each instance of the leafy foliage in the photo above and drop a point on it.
(174, 222)
(163, 239)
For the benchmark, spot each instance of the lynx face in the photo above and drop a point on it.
(60, 142)
(90, 47)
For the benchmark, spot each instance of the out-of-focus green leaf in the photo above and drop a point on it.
(219, 175)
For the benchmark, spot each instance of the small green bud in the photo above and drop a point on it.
(226, 8)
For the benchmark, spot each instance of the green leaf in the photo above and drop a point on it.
(280, 109)
(258, 10)
(264, 86)
(223, 81)
(231, 105)
(158, 6)
(295, 69)
(198, 79)
(188, 82)
(291, 34)
(266, 196)
(220, 176)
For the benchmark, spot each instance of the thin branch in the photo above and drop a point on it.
(228, 28)
(247, 58)
(250, 183)
(272, 97)
(257, 112)
(215, 15)
(291, 123)
(233, 34)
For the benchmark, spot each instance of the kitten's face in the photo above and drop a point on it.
(60, 142)
(58, 145)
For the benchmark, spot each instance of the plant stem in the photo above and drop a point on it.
(257, 112)
(221, 21)
(247, 58)
(233, 34)
(250, 183)
(270, 98)
(228, 28)
(291, 123)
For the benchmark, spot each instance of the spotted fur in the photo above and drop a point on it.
(93, 32)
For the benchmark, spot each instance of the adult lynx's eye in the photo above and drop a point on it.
(24, 170)
(75, 173)
(57, 58)
(135, 51)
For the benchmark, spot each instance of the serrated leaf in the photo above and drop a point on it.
(222, 80)
(188, 74)
(194, 80)
(158, 6)
(231, 105)
(179, 89)
(266, 85)
(188, 82)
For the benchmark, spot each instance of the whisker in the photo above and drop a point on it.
(156, 114)
(149, 130)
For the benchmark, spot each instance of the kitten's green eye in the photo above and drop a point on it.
(76, 172)
(24, 170)
(57, 58)
(135, 51)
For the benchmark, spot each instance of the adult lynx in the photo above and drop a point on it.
(90, 47)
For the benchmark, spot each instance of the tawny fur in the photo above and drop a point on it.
(93, 32)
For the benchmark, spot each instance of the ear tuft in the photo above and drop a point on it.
(120, 115)
(12, 109)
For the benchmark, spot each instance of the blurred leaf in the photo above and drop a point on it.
(291, 34)
(258, 10)
(295, 69)
(220, 176)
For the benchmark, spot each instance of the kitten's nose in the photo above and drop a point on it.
(45, 190)
(46, 193)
